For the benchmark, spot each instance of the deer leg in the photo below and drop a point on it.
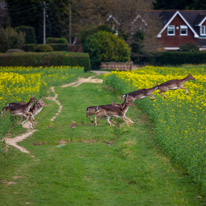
(27, 115)
(153, 97)
(90, 118)
(108, 120)
(187, 92)
(127, 118)
(162, 94)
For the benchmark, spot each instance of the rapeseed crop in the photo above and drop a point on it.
(19, 84)
(179, 119)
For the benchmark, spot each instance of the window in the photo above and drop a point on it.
(183, 30)
(171, 30)
(203, 30)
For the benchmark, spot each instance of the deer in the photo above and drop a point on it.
(21, 109)
(174, 84)
(35, 109)
(141, 94)
(108, 111)
(92, 109)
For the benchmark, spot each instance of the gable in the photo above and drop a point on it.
(177, 15)
(202, 22)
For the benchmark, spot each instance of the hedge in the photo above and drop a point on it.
(45, 59)
(171, 58)
(55, 47)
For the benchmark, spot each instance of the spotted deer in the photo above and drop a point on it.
(174, 84)
(92, 109)
(22, 109)
(35, 109)
(108, 111)
(141, 94)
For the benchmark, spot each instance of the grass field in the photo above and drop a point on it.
(95, 165)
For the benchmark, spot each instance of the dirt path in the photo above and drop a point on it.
(83, 80)
(57, 102)
(14, 141)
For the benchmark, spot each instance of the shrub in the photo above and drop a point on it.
(30, 36)
(46, 59)
(43, 48)
(189, 47)
(59, 47)
(52, 40)
(106, 47)
(29, 47)
(10, 39)
(14, 50)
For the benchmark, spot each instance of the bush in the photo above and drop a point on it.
(14, 50)
(59, 47)
(46, 59)
(30, 36)
(106, 47)
(10, 39)
(52, 40)
(189, 47)
(43, 48)
(29, 47)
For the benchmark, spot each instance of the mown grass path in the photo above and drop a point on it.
(74, 163)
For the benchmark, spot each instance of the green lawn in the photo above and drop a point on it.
(103, 165)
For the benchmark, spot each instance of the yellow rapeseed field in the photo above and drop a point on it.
(180, 119)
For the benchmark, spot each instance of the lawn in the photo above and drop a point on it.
(71, 162)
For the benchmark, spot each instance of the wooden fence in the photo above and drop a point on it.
(122, 66)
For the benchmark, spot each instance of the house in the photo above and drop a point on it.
(113, 23)
(178, 27)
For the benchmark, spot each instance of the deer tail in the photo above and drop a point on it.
(123, 96)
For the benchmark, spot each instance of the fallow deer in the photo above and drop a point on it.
(35, 109)
(22, 110)
(92, 109)
(108, 111)
(141, 94)
(174, 84)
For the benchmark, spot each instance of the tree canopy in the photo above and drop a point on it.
(180, 4)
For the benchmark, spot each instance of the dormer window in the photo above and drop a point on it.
(171, 30)
(203, 30)
(183, 30)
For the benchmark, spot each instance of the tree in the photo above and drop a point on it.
(106, 47)
(180, 4)
(30, 13)
(11, 39)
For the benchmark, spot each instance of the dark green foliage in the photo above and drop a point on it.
(180, 4)
(10, 39)
(46, 59)
(137, 46)
(178, 58)
(172, 58)
(55, 47)
(43, 48)
(59, 47)
(106, 47)
(29, 47)
(52, 40)
(30, 36)
(86, 32)
(189, 47)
